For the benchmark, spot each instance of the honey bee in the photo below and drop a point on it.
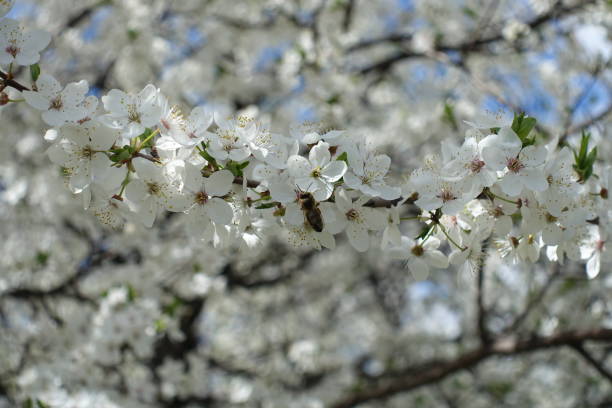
(312, 213)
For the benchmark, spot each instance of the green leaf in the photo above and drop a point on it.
(583, 159)
(42, 257)
(41, 404)
(449, 116)
(236, 168)
(470, 12)
(207, 156)
(332, 100)
(131, 293)
(171, 308)
(161, 325)
(265, 206)
(522, 126)
(133, 34)
(343, 157)
(424, 232)
(35, 72)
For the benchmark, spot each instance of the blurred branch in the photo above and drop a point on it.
(589, 122)
(77, 18)
(349, 11)
(592, 361)
(482, 312)
(473, 45)
(536, 299)
(507, 346)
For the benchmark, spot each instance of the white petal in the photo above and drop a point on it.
(319, 155)
(36, 100)
(533, 156)
(593, 266)
(511, 184)
(334, 171)
(358, 236)
(219, 211)
(533, 179)
(419, 269)
(379, 165)
(298, 166)
(437, 259)
(219, 183)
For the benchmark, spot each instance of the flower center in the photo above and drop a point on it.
(12, 50)
(154, 188)
(550, 218)
(417, 250)
(87, 152)
(514, 241)
(352, 214)
(604, 193)
(201, 198)
(56, 104)
(316, 172)
(476, 165)
(515, 165)
(497, 211)
(446, 195)
(133, 115)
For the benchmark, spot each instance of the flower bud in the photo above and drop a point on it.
(4, 98)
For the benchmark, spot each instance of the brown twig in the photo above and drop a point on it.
(473, 44)
(8, 81)
(433, 373)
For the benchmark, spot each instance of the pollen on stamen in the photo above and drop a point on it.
(56, 104)
(476, 165)
(417, 250)
(446, 195)
(12, 50)
(515, 165)
(352, 214)
(201, 198)
(153, 188)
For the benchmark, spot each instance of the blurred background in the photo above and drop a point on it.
(91, 317)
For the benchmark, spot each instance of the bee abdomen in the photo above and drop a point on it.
(315, 220)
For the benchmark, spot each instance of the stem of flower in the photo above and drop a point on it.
(493, 195)
(144, 142)
(450, 239)
(124, 183)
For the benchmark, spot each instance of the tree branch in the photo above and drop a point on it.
(436, 372)
(482, 312)
(593, 362)
(12, 83)
(474, 44)
(536, 299)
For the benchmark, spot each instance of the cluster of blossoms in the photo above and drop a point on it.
(135, 156)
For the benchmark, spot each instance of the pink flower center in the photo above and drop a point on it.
(476, 165)
(515, 165)
(12, 50)
(446, 196)
(599, 245)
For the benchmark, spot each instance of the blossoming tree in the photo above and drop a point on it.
(305, 203)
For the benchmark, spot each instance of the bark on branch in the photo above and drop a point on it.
(436, 372)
